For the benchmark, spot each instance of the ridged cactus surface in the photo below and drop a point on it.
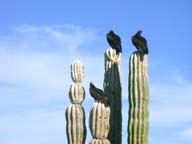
(77, 93)
(77, 72)
(99, 120)
(99, 116)
(75, 115)
(112, 88)
(138, 100)
(75, 124)
(100, 141)
(99, 123)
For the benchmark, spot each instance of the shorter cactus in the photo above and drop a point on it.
(99, 120)
(99, 123)
(99, 116)
(75, 115)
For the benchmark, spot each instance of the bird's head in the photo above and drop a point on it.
(140, 31)
(91, 84)
(112, 31)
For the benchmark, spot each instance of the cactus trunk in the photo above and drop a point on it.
(112, 89)
(75, 124)
(138, 100)
(75, 115)
(99, 123)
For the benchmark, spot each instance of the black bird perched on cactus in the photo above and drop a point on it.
(140, 42)
(114, 41)
(98, 94)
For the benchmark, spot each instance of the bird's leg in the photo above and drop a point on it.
(141, 55)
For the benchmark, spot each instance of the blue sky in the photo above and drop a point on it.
(39, 39)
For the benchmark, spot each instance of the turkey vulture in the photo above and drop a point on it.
(114, 41)
(140, 42)
(98, 94)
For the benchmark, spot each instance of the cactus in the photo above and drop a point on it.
(75, 115)
(100, 141)
(77, 72)
(138, 100)
(112, 88)
(76, 93)
(99, 123)
(75, 124)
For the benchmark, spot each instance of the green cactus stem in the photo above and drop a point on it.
(75, 115)
(138, 99)
(112, 89)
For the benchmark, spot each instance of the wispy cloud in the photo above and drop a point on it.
(35, 78)
(66, 38)
(39, 58)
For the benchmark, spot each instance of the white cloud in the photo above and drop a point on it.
(35, 68)
(23, 62)
(32, 69)
(35, 64)
(35, 72)
(66, 38)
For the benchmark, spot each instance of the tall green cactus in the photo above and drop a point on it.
(112, 89)
(138, 99)
(99, 123)
(75, 115)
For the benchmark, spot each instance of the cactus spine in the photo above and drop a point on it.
(75, 115)
(138, 100)
(112, 88)
(99, 123)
